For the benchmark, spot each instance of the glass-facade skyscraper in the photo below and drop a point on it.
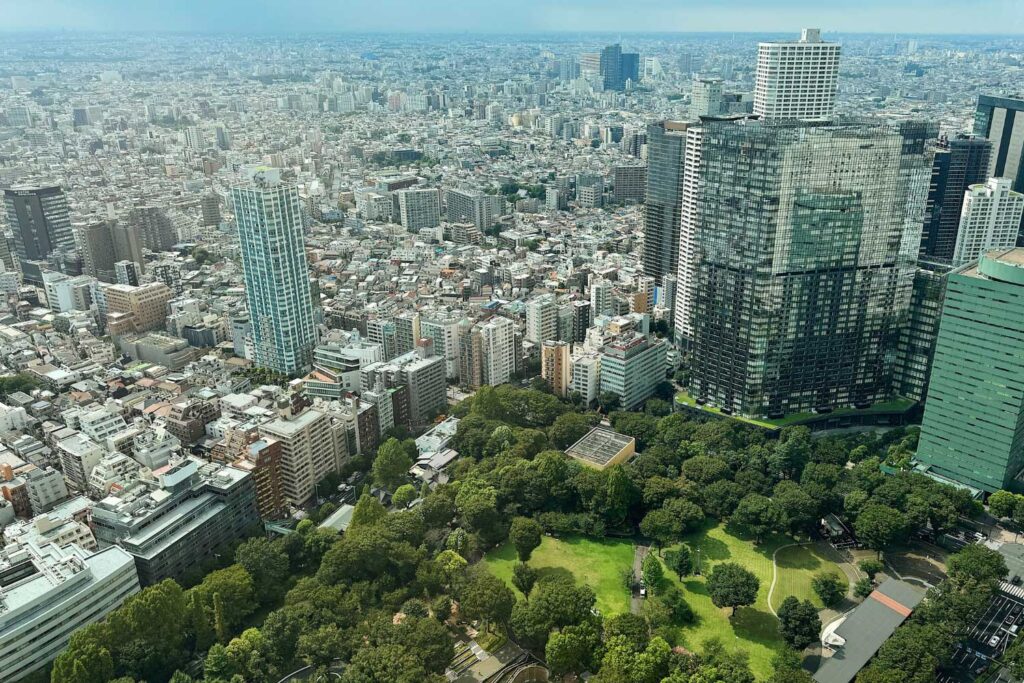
(41, 222)
(269, 216)
(806, 238)
(666, 144)
(959, 162)
(973, 427)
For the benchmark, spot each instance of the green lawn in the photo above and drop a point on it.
(599, 563)
(753, 628)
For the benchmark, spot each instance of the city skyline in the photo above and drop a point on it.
(988, 17)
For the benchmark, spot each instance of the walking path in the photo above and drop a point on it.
(638, 559)
(775, 573)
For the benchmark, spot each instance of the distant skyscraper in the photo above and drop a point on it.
(806, 257)
(706, 97)
(98, 254)
(1001, 120)
(959, 163)
(973, 427)
(666, 143)
(796, 79)
(269, 217)
(617, 67)
(990, 220)
(41, 223)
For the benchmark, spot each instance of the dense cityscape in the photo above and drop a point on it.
(652, 358)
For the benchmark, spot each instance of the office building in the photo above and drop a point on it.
(98, 251)
(630, 183)
(127, 273)
(973, 426)
(407, 331)
(990, 220)
(210, 205)
(154, 227)
(556, 367)
(617, 68)
(49, 592)
(632, 366)
(40, 220)
(1001, 121)
(706, 97)
(177, 517)
(796, 79)
(581, 320)
(666, 145)
(586, 377)
(916, 346)
(959, 162)
(421, 373)
(806, 258)
(136, 309)
(418, 209)
(269, 217)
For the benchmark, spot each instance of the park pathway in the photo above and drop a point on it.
(775, 573)
(639, 554)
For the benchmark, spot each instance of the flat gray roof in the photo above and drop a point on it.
(599, 445)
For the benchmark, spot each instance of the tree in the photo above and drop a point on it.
(393, 663)
(798, 509)
(976, 562)
(525, 534)
(652, 572)
(758, 515)
(403, 495)
(1002, 504)
(879, 526)
(477, 504)
(679, 561)
(368, 511)
(609, 402)
(660, 526)
(871, 567)
(630, 626)
(705, 469)
(86, 663)
(237, 597)
(569, 428)
(321, 646)
(798, 622)
(392, 464)
(267, 564)
(732, 586)
(485, 597)
(523, 578)
(572, 649)
(217, 665)
(830, 587)
(863, 588)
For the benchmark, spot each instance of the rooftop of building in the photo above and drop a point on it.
(600, 446)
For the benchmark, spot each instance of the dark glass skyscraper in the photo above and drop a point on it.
(41, 223)
(618, 67)
(1001, 120)
(959, 163)
(666, 145)
(806, 243)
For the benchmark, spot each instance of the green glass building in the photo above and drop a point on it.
(973, 429)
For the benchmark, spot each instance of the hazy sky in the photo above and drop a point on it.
(888, 16)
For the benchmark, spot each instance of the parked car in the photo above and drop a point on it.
(993, 641)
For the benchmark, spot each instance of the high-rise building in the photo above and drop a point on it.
(127, 273)
(917, 337)
(687, 258)
(469, 206)
(40, 220)
(580, 321)
(442, 328)
(706, 97)
(210, 206)
(556, 367)
(632, 366)
(666, 145)
(542, 319)
(1001, 121)
(136, 309)
(498, 348)
(312, 444)
(98, 253)
(973, 426)
(419, 209)
(602, 299)
(154, 227)
(959, 162)
(796, 79)
(990, 220)
(617, 67)
(806, 257)
(269, 217)
(630, 183)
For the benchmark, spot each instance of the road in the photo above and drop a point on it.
(638, 559)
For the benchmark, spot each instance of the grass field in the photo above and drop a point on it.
(599, 563)
(753, 629)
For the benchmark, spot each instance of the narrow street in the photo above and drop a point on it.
(638, 559)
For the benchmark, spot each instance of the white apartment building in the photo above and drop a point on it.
(542, 319)
(498, 344)
(796, 79)
(312, 447)
(990, 219)
(51, 591)
(419, 209)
